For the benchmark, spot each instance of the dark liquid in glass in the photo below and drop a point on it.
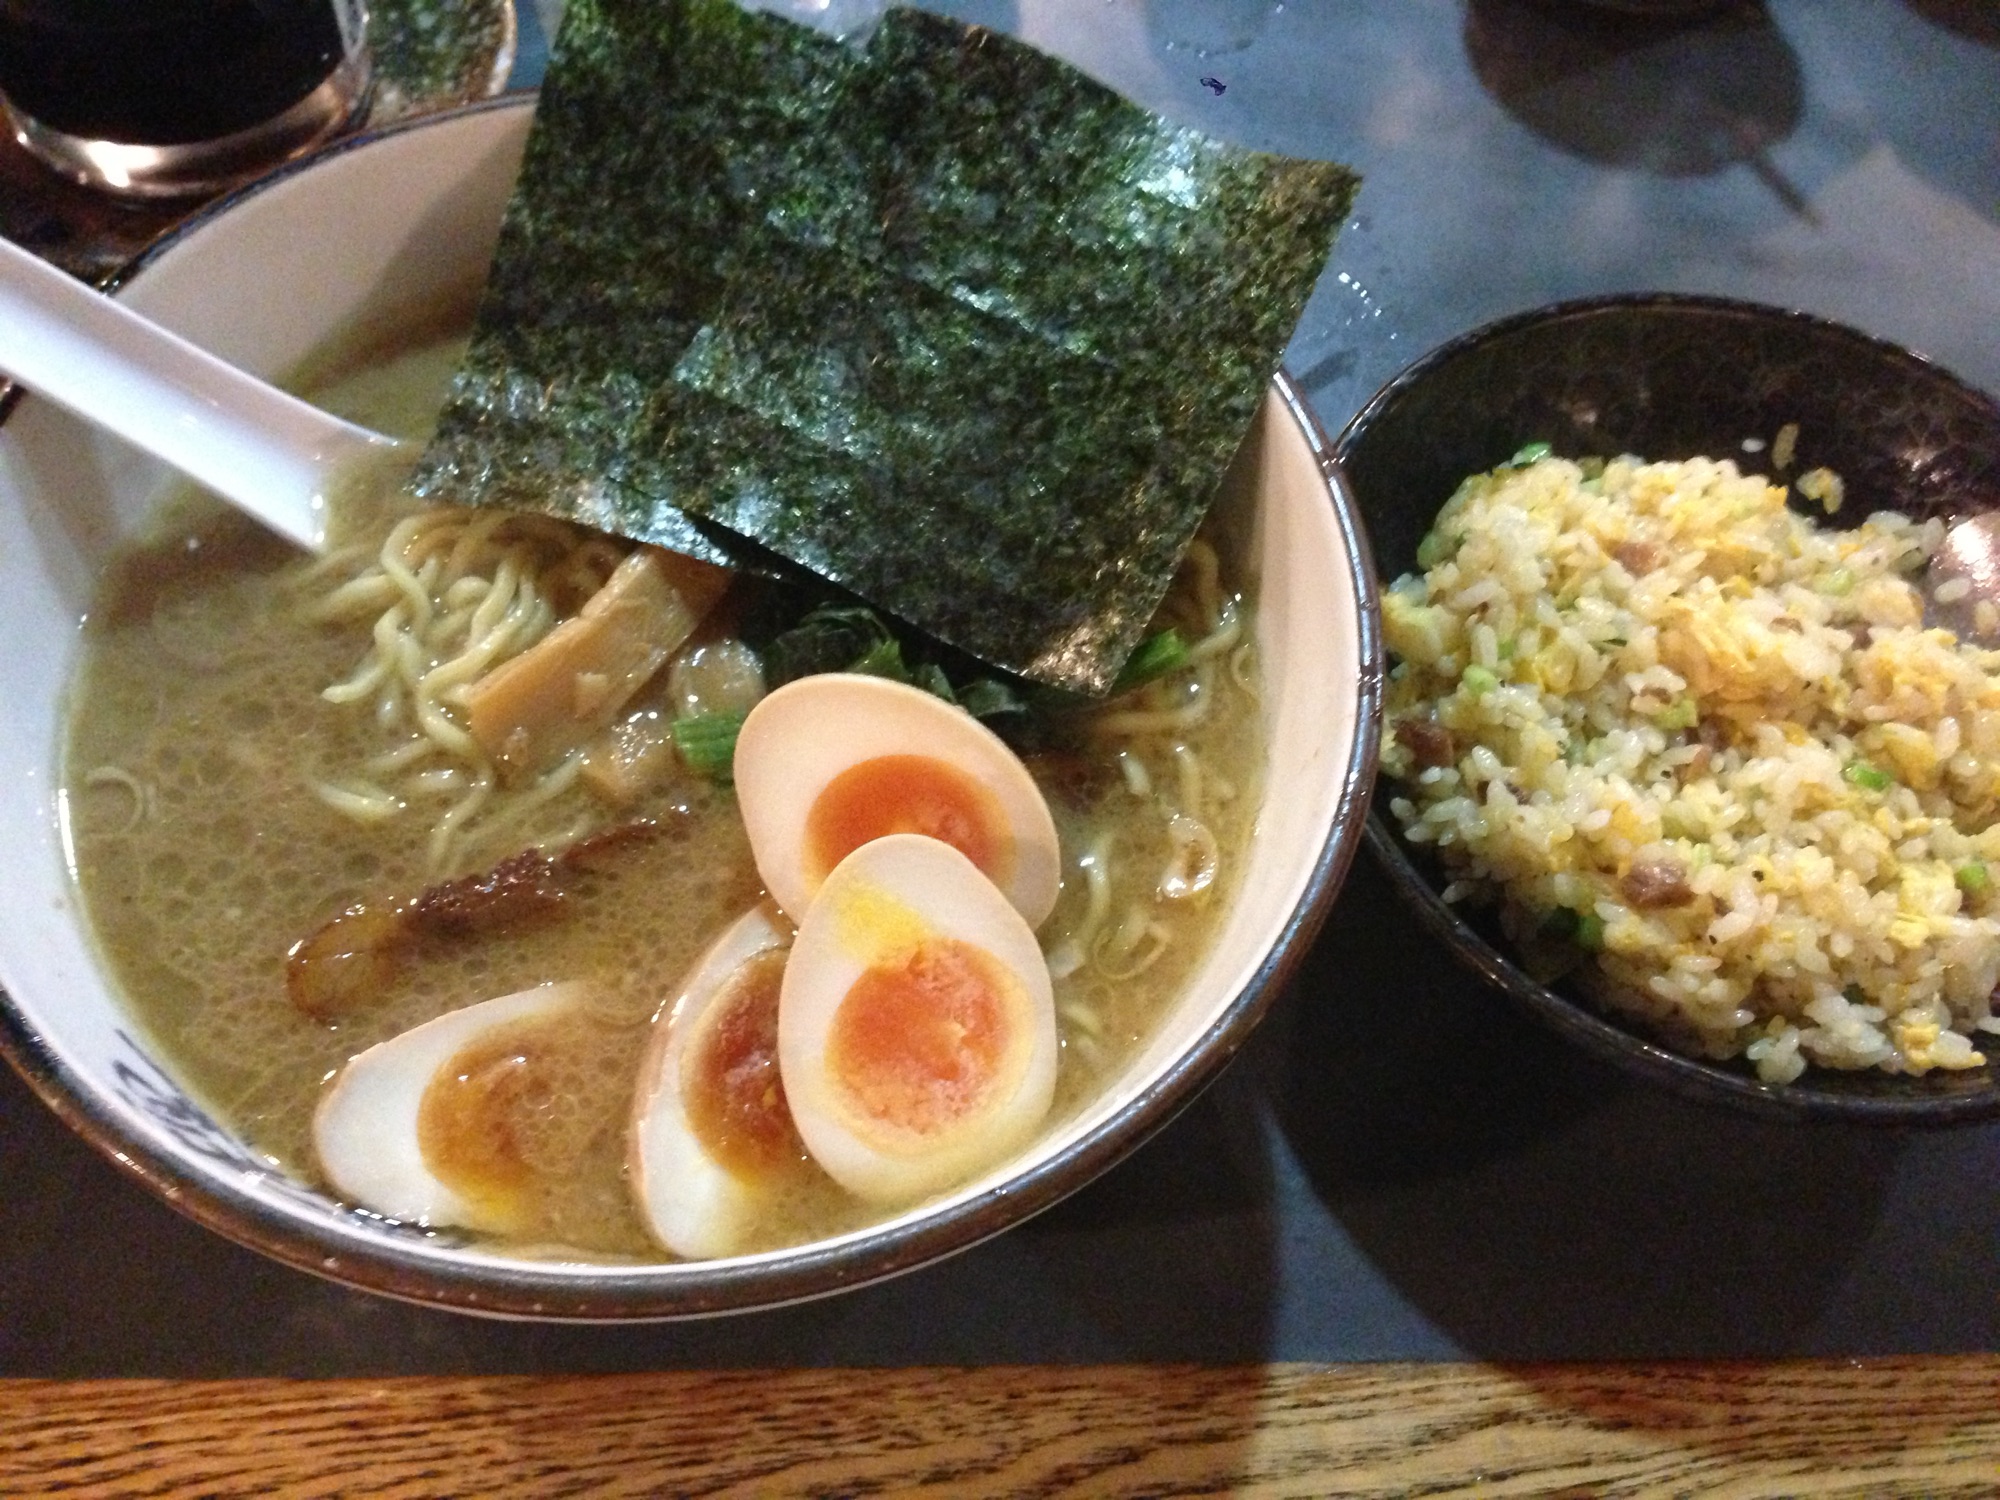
(163, 72)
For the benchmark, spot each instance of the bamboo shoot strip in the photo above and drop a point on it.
(944, 321)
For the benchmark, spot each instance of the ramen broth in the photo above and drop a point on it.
(197, 730)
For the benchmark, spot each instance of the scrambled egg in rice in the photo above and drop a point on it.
(1670, 722)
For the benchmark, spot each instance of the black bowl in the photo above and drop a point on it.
(1668, 377)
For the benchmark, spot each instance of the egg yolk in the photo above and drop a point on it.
(513, 1125)
(471, 1117)
(907, 794)
(734, 1097)
(920, 1040)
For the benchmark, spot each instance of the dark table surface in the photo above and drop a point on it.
(1398, 1167)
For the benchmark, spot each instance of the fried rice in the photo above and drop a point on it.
(1680, 731)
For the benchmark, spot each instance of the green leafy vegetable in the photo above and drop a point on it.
(832, 638)
(1531, 453)
(930, 677)
(853, 638)
(883, 659)
(1477, 679)
(987, 698)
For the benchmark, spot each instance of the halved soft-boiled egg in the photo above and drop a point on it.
(712, 1145)
(827, 763)
(436, 1126)
(916, 1025)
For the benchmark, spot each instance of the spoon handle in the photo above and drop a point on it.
(255, 446)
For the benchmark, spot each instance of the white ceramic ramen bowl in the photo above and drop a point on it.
(361, 239)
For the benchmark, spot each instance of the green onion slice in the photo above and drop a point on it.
(1156, 656)
(707, 742)
(1868, 777)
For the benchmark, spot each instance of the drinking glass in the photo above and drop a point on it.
(156, 98)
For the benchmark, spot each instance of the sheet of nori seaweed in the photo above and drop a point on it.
(660, 132)
(943, 321)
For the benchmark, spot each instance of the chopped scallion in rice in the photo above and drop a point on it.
(1720, 759)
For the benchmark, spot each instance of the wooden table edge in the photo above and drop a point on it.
(1906, 1426)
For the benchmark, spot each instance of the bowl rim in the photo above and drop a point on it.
(1578, 308)
(519, 1289)
(1690, 1077)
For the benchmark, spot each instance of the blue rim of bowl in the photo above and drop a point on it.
(618, 1293)
(1690, 1077)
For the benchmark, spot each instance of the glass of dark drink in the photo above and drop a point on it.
(158, 98)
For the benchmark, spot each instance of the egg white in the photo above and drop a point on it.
(885, 893)
(691, 1203)
(365, 1129)
(801, 737)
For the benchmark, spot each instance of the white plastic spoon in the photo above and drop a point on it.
(269, 453)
